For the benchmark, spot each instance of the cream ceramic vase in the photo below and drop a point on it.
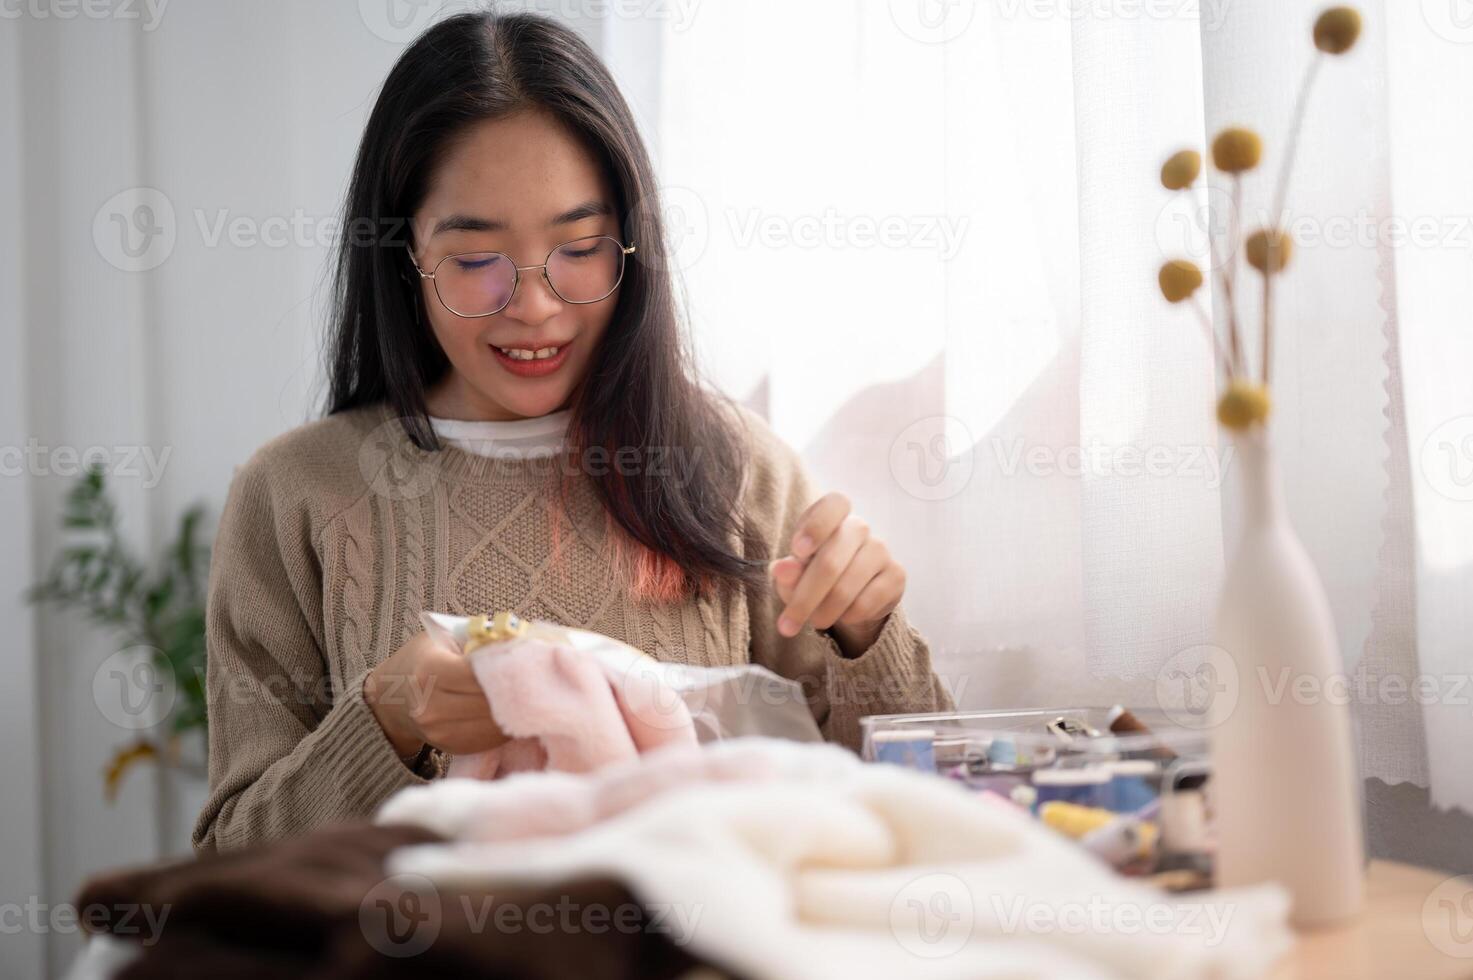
(1284, 775)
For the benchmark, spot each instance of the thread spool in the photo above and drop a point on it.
(1086, 787)
(911, 748)
(1072, 819)
(1131, 784)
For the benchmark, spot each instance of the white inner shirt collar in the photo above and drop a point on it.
(518, 438)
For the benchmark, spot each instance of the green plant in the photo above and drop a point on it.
(164, 609)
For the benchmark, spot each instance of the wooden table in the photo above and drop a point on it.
(1390, 940)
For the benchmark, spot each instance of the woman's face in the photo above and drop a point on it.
(520, 185)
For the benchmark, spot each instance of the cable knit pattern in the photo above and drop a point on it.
(335, 533)
(413, 561)
(354, 638)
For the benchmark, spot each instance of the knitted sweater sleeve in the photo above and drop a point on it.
(287, 753)
(893, 675)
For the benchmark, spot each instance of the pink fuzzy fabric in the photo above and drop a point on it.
(565, 711)
(537, 808)
(534, 805)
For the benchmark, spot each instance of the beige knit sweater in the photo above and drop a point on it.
(336, 535)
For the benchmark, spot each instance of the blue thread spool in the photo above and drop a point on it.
(1002, 752)
(911, 748)
(1086, 787)
(1130, 787)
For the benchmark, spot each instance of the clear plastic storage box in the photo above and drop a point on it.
(1131, 785)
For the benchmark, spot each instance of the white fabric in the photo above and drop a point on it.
(983, 379)
(516, 439)
(827, 868)
(103, 957)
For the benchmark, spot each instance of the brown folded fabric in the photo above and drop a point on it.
(590, 928)
(285, 896)
(322, 905)
(190, 956)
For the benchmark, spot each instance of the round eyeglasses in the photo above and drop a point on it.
(472, 284)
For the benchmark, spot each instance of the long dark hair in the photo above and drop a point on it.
(641, 390)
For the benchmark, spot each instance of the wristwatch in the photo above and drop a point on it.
(416, 762)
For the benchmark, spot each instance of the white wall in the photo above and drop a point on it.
(83, 357)
(20, 809)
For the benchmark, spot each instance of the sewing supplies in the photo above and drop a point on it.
(960, 755)
(1184, 819)
(910, 748)
(1123, 721)
(1073, 819)
(1002, 752)
(1131, 784)
(1068, 729)
(1126, 784)
(1086, 787)
(1002, 784)
(1128, 842)
(1124, 841)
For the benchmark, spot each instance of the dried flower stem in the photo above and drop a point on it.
(1226, 272)
(1218, 353)
(1281, 195)
(1236, 361)
(1291, 145)
(1268, 313)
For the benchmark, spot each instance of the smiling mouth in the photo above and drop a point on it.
(529, 362)
(528, 354)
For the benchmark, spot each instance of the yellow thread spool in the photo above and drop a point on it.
(1072, 819)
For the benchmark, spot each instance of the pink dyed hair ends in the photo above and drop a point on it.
(643, 574)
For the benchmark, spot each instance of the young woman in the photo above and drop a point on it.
(513, 424)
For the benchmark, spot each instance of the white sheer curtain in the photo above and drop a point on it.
(1429, 55)
(922, 238)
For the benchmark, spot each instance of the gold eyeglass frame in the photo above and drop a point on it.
(517, 271)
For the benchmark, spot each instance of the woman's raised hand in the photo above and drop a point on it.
(837, 575)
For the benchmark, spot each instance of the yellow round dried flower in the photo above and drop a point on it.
(1336, 30)
(1181, 170)
(1243, 404)
(1179, 279)
(1236, 149)
(1269, 250)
